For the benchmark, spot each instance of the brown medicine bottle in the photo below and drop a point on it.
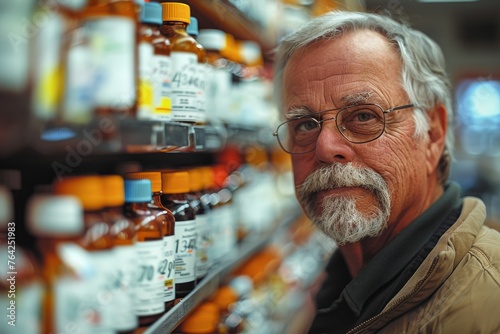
(185, 56)
(67, 270)
(113, 23)
(150, 305)
(166, 217)
(175, 186)
(123, 236)
(155, 68)
(96, 239)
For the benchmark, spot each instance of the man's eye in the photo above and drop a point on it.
(305, 125)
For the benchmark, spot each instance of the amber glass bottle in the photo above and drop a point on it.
(168, 229)
(185, 56)
(96, 239)
(150, 305)
(113, 23)
(67, 269)
(175, 186)
(123, 235)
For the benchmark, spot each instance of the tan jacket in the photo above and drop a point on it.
(457, 287)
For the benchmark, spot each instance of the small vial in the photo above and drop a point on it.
(185, 56)
(175, 186)
(149, 293)
(167, 219)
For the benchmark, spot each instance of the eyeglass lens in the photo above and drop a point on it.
(358, 124)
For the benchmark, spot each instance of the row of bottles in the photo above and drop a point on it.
(269, 292)
(114, 252)
(66, 65)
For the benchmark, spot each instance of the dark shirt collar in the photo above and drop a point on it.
(393, 258)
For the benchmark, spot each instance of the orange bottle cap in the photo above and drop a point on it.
(113, 189)
(88, 189)
(224, 297)
(203, 320)
(207, 177)
(175, 182)
(176, 11)
(195, 179)
(155, 178)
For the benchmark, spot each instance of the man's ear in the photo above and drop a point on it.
(438, 125)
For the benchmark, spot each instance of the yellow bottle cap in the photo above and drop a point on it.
(207, 176)
(155, 178)
(176, 11)
(88, 189)
(175, 182)
(113, 190)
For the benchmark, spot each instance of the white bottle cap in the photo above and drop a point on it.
(212, 39)
(50, 215)
(6, 207)
(250, 52)
(242, 285)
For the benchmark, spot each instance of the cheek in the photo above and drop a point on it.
(302, 168)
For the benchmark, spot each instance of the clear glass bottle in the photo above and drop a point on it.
(167, 219)
(175, 186)
(185, 56)
(150, 291)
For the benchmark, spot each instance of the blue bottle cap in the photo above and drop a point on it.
(192, 28)
(151, 13)
(138, 191)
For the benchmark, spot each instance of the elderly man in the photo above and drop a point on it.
(366, 102)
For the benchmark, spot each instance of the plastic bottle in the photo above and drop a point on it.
(175, 187)
(123, 236)
(113, 23)
(201, 208)
(167, 219)
(185, 57)
(20, 282)
(96, 240)
(155, 68)
(15, 92)
(150, 291)
(70, 301)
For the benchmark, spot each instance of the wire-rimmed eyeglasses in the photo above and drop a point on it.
(358, 124)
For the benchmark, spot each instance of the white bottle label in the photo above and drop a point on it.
(124, 302)
(202, 244)
(185, 251)
(150, 289)
(112, 41)
(184, 87)
(167, 267)
(228, 232)
(201, 94)
(162, 89)
(145, 98)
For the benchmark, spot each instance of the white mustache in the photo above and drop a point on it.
(340, 175)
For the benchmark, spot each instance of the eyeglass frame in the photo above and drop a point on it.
(319, 122)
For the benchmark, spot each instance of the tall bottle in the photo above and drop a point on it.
(201, 207)
(20, 281)
(96, 240)
(15, 92)
(123, 235)
(185, 56)
(167, 219)
(149, 245)
(203, 68)
(175, 187)
(154, 66)
(111, 26)
(70, 300)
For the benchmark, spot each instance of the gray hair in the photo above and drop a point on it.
(424, 77)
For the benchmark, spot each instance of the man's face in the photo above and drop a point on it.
(381, 182)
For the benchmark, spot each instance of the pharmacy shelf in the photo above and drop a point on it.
(249, 246)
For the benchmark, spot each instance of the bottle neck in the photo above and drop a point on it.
(170, 28)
